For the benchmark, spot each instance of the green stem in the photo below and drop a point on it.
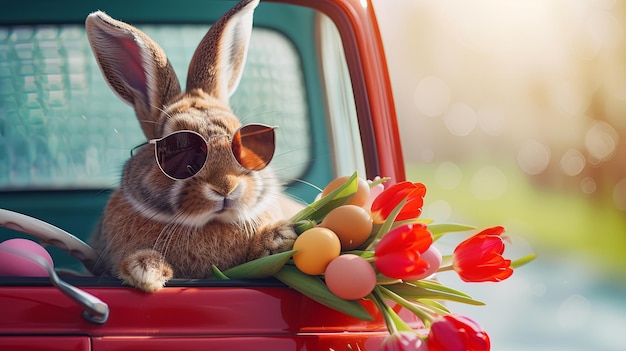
(378, 181)
(522, 261)
(445, 268)
(420, 311)
(390, 282)
(380, 303)
(393, 321)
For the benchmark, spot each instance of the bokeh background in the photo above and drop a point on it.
(513, 112)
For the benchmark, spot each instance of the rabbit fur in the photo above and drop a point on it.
(155, 228)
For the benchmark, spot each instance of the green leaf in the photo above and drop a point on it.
(424, 221)
(522, 261)
(435, 285)
(303, 225)
(378, 181)
(384, 228)
(217, 274)
(317, 210)
(439, 307)
(261, 267)
(440, 230)
(314, 288)
(422, 289)
(382, 279)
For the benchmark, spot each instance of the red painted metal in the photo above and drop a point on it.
(45, 343)
(201, 311)
(189, 318)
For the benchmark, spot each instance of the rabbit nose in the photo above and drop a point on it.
(225, 185)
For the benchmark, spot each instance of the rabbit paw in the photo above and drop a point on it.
(283, 238)
(146, 270)
(275, 240)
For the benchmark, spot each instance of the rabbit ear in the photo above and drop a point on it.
(134, 66)
(217, 64)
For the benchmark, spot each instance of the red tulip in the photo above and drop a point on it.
(457, 333)
(391, 197)
(398, 253)
(479, 258)
(403, 341)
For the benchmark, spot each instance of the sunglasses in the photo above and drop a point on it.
(182, 154)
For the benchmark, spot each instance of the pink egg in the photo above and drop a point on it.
(350, 277)
(13, 264)
(433, 257)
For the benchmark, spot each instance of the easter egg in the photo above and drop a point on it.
(360, 197)
(316, 247)
(352, 224)
(433, 256)
(16, 265)
(350, 277)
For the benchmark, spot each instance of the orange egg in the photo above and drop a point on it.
(316, 248)
(350, 277)
(352, 224)
(360, 197)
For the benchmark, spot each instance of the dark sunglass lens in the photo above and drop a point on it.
(253, 146)
(181, 155)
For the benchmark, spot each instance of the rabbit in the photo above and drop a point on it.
(155, 228)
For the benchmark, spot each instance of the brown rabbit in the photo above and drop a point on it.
(164, 222)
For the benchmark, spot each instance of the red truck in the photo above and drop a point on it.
(316, 69)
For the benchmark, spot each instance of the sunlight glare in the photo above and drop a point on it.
(432, 96)
(460, 119)
(601, 141)
(533, 157)
(572, 162)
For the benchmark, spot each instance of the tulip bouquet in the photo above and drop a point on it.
(362, 240)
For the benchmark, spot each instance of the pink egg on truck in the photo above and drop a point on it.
(350, 277)
(12, 264)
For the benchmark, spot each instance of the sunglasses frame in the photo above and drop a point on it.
(206, 141)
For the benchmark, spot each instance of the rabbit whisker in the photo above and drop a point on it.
(147, 121)
(161, 242)
(163, 111)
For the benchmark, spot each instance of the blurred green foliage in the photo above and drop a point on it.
(554, 222)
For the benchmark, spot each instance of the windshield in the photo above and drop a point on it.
(65, 136)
